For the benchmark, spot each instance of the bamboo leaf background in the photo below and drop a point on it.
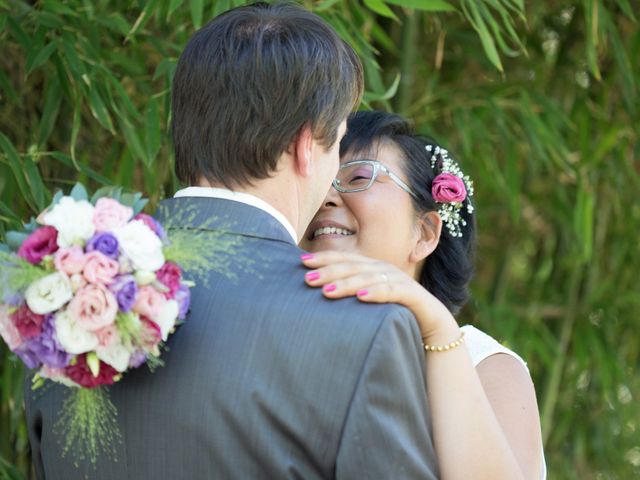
(539, 102)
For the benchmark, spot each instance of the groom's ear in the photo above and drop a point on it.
(428, 236)
(303, 152)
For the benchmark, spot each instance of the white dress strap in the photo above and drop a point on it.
(480, 346)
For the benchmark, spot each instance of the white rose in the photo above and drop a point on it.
(49, 293)
(73, 220)
(115, 355)
(73, 338)
(166, 318)
(141, 245)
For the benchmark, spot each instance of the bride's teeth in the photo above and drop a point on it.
(331, 231)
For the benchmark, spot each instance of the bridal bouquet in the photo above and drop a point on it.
(90, 290)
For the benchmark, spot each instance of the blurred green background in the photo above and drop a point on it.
(538, 101)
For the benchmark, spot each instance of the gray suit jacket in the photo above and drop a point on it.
(266, 379)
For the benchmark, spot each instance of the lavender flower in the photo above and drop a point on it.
(125, 289)
(183, 297)
(105, 243)
(137, 358)
(44, 349)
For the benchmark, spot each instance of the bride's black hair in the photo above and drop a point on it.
(448, 270)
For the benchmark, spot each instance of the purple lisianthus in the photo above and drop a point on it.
(44, 349)
(137, 358)
(183, 297)
(28, 355)
(105, 243)
(125, 289)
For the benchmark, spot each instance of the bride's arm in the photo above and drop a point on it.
(485, 419)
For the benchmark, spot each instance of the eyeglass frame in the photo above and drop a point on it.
(377, 167)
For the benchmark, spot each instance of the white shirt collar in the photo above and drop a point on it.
(241, 197)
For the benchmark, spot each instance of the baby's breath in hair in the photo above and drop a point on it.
(450, 210)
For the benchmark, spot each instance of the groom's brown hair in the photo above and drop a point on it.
(248, 82)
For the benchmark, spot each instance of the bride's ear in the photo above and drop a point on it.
(430, 228)
(302, 150)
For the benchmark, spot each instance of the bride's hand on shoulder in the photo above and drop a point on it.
(343, 274)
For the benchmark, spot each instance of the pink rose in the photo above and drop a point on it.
(107, 335)
(8, 330)
(150, 334)
(29, 324)
(110, 214)
(100, 268)
(70, 260)
(42, 242)
(169, 276)
(93, 307)
(149, 302)
(448, 188)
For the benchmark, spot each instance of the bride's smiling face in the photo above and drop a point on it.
(379, 222)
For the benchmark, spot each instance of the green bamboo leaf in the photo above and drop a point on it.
(583, 222)
(380, 8)
(472, 13)
(8, 215)
(142, 19)
(59, 8)
(325, 5)
(42, 56)
(196, 8)
(7, 88)
(626, 7)
(38, 191)
(133, 140)
(16, 166)
(165, 68)
(19, 34)
(153, 130)
(388, 94)
(98, 109)
(81, 167)
(173, 6)
(426, 5)
(75, 130)
(73, 60)
(52, 101)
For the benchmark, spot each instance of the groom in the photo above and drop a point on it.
(266, 379)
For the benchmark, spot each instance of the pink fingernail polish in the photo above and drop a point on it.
(329, 288)
(306, 256)
(312, 276)
(362, 293)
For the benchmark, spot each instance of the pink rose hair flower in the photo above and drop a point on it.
(448, 188)
(42, 242)
(109, 214)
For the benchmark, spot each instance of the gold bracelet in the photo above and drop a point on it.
(444, 348)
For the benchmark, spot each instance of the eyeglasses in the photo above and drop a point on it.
(359, 175)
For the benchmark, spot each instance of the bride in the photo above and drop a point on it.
(398, 226)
